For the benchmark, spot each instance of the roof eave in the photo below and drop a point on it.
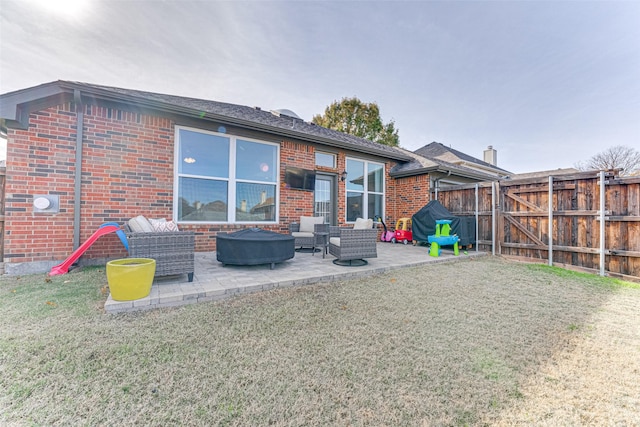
(16, 106)
(15, 109)
(441, 169)
(274, 130)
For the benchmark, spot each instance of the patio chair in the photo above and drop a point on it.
(351, 245)
(172, 250)
(303, 232)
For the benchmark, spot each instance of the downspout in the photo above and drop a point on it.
(78, 167)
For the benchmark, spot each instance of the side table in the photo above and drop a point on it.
(321, 238)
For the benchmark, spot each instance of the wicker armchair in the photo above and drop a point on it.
(351, 245)
(303, 232)
(172, 250)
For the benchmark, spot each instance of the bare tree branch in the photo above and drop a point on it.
(617, 157)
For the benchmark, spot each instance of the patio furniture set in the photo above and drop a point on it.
(174, 250)
(350, 245)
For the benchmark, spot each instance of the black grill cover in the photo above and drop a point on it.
(423, 224)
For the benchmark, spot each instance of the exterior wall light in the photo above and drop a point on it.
(343, 175)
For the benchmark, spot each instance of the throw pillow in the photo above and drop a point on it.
(166, 226)
(363, 224)
(140, 224)
(156, 222)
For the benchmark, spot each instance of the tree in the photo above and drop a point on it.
(617, 157)
(355, 117)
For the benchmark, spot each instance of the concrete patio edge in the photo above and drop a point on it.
(212, 282)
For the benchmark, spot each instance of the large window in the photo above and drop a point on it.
(223, 178)
(365, 189)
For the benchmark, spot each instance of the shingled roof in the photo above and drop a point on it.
(438, 151)
(423, 165)
(436, 157)
(233, 114)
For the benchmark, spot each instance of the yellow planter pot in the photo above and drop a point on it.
(130, 278)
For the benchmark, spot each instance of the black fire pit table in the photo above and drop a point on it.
(254, 246)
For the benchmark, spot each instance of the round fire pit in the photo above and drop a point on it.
(254, 246)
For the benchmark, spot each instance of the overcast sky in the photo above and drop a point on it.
(547, 84)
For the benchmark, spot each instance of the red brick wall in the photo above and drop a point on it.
(295, 203)
(406, 196)
(127, 170)
(39, 161)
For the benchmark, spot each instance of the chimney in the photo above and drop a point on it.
(491, 156)
(243, 206)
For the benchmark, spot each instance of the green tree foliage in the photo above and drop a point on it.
(352, 116)
(617, 157)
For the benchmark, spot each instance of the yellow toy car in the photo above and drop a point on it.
(403, 231)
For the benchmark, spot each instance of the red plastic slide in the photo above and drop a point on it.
(64, 267)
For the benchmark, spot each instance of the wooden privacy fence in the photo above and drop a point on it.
(3, 173)
(558, 219)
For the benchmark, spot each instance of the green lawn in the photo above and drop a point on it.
(484, 341)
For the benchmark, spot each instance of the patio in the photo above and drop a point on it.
(213, 282)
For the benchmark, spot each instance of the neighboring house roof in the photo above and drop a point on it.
(437, 151)
(543, 174)
(424, 163)
(16, 106)
(264, 206)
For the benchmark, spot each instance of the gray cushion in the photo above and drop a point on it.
(363, 224)
(301, 234)
(140, 224)
(307, 223)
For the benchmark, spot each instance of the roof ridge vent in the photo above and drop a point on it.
(283, 112)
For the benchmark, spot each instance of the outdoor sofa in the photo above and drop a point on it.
(173, 250)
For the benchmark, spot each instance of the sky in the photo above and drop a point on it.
(546, 83)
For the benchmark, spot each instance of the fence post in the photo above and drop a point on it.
(602, 220)
(550, 220)
(493, 218)
(477, 218)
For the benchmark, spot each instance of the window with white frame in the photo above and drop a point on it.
(325, 159)
(365, 189)
(224, 178)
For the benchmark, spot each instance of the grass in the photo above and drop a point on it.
(473, 343)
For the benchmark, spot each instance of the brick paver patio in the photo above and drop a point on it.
(212, 281)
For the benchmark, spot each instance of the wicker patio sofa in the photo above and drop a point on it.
(172, 250)
(351, 246)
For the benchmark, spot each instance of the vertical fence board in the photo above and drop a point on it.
(3, 174)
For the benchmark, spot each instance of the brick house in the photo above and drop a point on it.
(100, 154)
